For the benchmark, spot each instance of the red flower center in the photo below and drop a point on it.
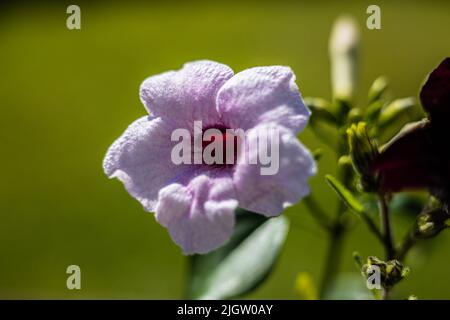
(229, 146)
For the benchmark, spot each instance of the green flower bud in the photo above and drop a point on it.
(321, 109)
(377, 89)
(430, 224)
(344, 160)
(373, 110)
(355, 115)
(363, 151)
(394, 109)
(395, 272)
(391, 272)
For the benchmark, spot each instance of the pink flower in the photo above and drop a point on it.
(196, 202)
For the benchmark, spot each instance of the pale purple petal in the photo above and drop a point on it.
(140, 158)
(260, 95)
(270, 194)
(187, 94)
(196, 203)
(199, 216)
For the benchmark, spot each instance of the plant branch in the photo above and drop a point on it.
(406, 245)
(385, 294)
(387, 230)
(337, 232)
(333, 256)
(387, 236)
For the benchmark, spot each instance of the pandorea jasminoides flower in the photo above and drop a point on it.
(196, 202)
(419, 156)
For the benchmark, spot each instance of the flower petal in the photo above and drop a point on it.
(435, 93)
(140, 158)
(187, 94)
(199, 216)
(262, 94)
(270, 194)
(412, 160)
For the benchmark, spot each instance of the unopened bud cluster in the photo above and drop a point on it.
(391, 271)
(430, 224)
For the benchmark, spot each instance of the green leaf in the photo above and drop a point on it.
(240, 266)
(345, 195)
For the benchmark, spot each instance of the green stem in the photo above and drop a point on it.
(337, 232)
(333, 257)
(387, 230)
(406, 245)
(387, 235)
(385, 294)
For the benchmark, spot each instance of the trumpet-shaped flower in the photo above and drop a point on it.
(196, 201)
(419, 156)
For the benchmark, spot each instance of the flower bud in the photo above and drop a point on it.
(430, 224)
(363, 150)
(344, 160)
(355, 115)
(395, 272)
(321, 109)
(391, 272)
(373, 110)
(394, 109)
(344, 47)
(377, 89)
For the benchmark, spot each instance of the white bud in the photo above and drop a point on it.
(344, 47)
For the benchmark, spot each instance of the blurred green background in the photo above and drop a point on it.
(66, 95)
